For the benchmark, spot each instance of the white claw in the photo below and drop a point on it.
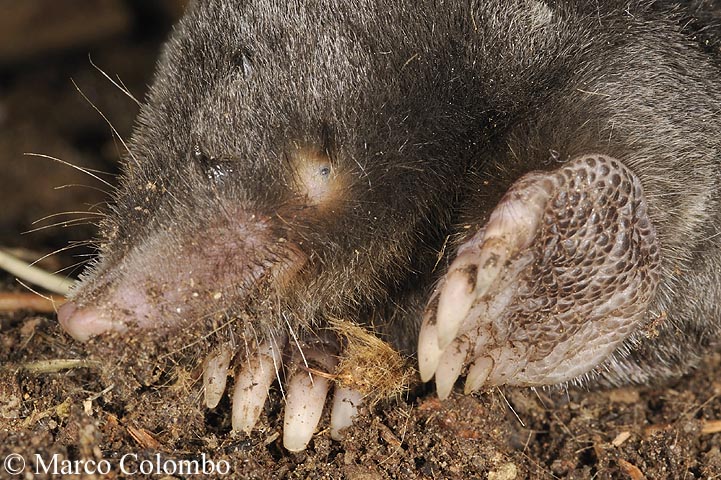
(345, 407)
(516, 217)
(456, 298)
(450, 367)
(428, 352)
(252, 384)
(215, 375)
(305, 398)
(478, 374)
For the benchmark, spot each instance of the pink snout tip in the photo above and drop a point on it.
(84, 323)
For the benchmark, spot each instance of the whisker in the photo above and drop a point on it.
(86, 255)
(86, 171)
(256, 338)
(74, 266)
(105, 192)
(97, 205)
(54, 252)
(246, 357)
(79, 212)
(198, 340)
(511, 407)
(297, 343)
(114, 130)
(122, 88)
(49, 298)
(276, 365)
(75, 222)
(82, 243)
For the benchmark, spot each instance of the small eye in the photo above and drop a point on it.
(218, 172)
(247, 66)
(215, 169)
(244, 62)
(324, 171)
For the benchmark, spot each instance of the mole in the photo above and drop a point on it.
(514, 192)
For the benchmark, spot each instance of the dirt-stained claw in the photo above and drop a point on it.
(478, 374)
(305, 398)
(492, 259)
(450, 367)
(428, 352)
(308, 372)
(516, 218)
(456, 298)
(252, 383)
(215, 375)
(346, 402)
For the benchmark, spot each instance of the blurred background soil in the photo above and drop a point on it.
(55, 60)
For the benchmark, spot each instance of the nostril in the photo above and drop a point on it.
(84, 323)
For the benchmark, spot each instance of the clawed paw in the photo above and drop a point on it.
(559, 276)
(305, 377)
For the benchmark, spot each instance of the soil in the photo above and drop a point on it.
(95, 406)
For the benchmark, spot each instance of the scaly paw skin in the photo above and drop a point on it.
(560, 275)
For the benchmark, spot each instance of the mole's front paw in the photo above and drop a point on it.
(560, 275)
(304, 375)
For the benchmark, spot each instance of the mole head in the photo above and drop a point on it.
(277, 167)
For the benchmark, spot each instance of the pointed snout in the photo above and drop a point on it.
(83, 323)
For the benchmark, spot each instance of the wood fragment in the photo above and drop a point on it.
(388, 436)
(92, 398)
(37, 276)
(14, 301)
(710, 426)
(144, 438)
(652, 430)
(112, 421)
(631, 470)
(628, 396)
(272, 438)
(620, 438)
(62, 410)
(58, 364)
